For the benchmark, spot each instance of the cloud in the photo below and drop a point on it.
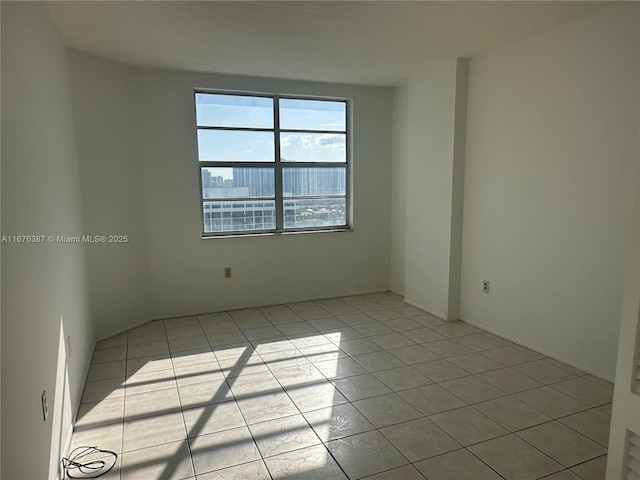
(327, 139)
(314, 147)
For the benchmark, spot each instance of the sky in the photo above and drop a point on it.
(257, 112)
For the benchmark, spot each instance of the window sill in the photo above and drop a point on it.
(273, 234)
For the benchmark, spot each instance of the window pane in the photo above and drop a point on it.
(304, 182)
(239, 216)
(237, 182)
(235, 146)
(317, 212)
(313, 147)
(313, 115)
(214, 110)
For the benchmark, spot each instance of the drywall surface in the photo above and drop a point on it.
(140, 177)
(398, 186)
(551, 149)
(106, 112)
(187, 272)
(43, 284)
(429, 186)
(457, 186)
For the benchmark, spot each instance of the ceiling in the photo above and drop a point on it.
(363, 42)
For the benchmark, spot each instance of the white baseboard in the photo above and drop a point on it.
(548, 354)
(164, 316)
(441, 316)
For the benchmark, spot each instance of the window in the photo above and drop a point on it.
(272, 163)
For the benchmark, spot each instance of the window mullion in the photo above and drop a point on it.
(306, 120)
(278, 165)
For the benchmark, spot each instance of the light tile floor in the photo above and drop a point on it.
(356, 387)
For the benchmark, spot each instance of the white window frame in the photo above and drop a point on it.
(278, 166)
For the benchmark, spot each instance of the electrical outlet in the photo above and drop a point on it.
(45, 407)
(227, 272)
(485, 286)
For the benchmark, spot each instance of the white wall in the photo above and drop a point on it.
(399, 160)
(552, 126)
(457, 186)
(551, 145)
(140, 177)
(429, 185)
(187, 272)
(43, 285)
(107, 120)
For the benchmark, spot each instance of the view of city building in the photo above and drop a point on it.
(314, 197)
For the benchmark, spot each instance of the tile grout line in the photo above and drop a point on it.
(235, 400)
(372, 373)
(301, 414)
(184, 422)
(124, 406)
